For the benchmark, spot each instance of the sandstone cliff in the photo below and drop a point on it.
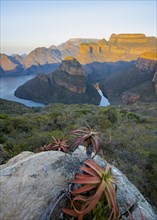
(124, 47)
(68, 84)
(71, 47)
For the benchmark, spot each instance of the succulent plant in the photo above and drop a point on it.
(57, 144)
(87, 136)
(98, 188)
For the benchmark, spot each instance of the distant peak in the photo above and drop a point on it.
(71, 66)
(69, 58)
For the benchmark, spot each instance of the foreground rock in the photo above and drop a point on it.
(29, 181)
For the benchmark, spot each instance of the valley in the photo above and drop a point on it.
(72, 82)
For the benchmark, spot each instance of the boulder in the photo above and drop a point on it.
(154, 80)
(29, 181)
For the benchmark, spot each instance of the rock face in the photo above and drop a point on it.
(129, 98)
(147, 62)
(155, 81)
(121, 47)
(68, 84)
(42, 56)
(6, 63)
(133, 84)
(71, 47)
(10, 65)
(71, 66)
(30, 181)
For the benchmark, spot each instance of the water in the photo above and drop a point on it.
(8, 85)
(104, 101)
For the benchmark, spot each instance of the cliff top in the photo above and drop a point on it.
(69, 58)
(130, 35)
(149, 56)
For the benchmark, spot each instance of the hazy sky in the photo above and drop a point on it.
(26, 25)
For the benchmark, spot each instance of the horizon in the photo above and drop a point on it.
(32, 24)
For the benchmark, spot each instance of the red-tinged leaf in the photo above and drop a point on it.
(90, 203)
(80, 198)
(108, 167)
(111, 215)
(89, 180)
(70, 212)
(82, 176)
(112, 195)
(94, 166)
(84, 188)
(108, 198)
(89, 170)
(96, 143)
(76, 131)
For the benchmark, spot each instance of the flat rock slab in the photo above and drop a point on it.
(29, 181)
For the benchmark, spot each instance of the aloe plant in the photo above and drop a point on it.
(87, 136)
(98, 187)
(57, 144)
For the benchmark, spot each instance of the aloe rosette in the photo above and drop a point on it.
(97, 185)
(88, 136)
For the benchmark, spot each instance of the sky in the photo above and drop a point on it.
(28, 24)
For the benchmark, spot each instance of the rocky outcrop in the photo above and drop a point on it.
(71, 47)
(129, 98)
(68, 84)
(71, 66)
(29, 182)
(133, 84)
(124, 47)
(155, 81)
(147, 62)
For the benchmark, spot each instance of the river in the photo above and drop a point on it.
(8, 85)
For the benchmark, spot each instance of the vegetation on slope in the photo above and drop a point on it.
(132, 130)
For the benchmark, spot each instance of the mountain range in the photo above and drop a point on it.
(121, 47)
(120, 82)
(124, 68)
